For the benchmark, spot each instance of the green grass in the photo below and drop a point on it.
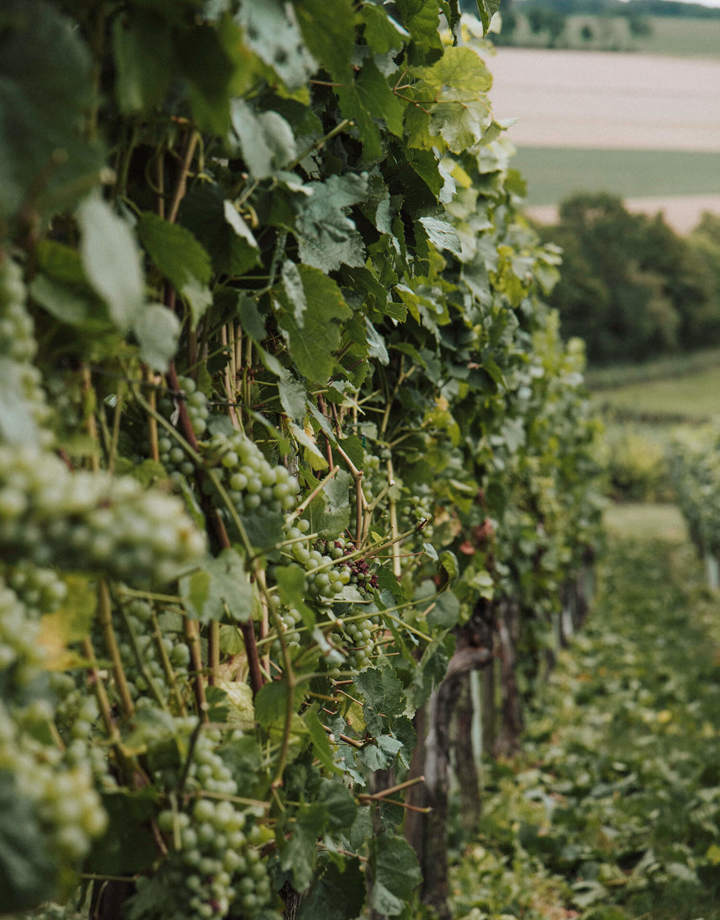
(645, 521)
(681, 37)
(612, 811)
(554, 173)
(694, 397)
(673, 36)
(673, 366)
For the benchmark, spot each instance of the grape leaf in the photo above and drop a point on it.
(327, 237)
(272, 31)
(111, 260)
(442, 234)
(338, 893)
(271, 703)
(299, 853)
(320, 741)
(266, 139)
(395, 873)
(313, 344)
(219, 591)
(157, 330)
(45, 92)
(144, 62)
(329, 33)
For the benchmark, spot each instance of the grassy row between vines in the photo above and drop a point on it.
(613, 809)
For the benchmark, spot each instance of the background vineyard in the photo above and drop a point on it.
(289, 446)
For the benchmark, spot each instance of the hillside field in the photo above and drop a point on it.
(695, 396)
(554, 172)
(673, 36)
(643, 126)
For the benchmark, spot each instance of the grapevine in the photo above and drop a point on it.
(286, 406)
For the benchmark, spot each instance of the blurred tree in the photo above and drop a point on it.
(630, 286)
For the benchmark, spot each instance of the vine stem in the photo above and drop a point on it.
(90, 421)
(182, 178)
(221, 534)
(391, 790)
(105, 619)
(104, 703)
(152, 421)
(139, 661)
(395, 549)
(361, 504)
(193, 640)
(166, 664)
(315, 492)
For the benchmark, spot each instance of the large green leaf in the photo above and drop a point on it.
(312, 344)
(299, 853)
(204, 211)
(45, 92)
(157, 330)
(174, 250)
(486, 10)
(144, 61)
(395, 874)
(219, 591)
(329, 33)
(178, 256)
(327, 237)
(382, 32)
(111, 260)
(272, 31)
(208, 71)
(338, 893)
(266, 139)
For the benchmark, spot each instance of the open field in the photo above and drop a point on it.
(675, 36)
(684, 37)
(644, 127)
(607, 101)
(671, 366)
(554, 172)
(694, 396)
(645, 521)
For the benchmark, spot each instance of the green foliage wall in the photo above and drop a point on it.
(280, 402)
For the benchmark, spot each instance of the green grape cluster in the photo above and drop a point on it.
(40, 590)
(346, 645)
(361, 642)
(216, 841)
(91, 521)
(18, 348)
(172, 456)
(62, 793)
(19, 648)
(141, 657)
(252, 482)
(223, 870)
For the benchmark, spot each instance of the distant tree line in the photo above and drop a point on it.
(631, 286)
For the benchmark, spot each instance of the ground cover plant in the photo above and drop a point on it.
(611, 811)
(288, 442)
